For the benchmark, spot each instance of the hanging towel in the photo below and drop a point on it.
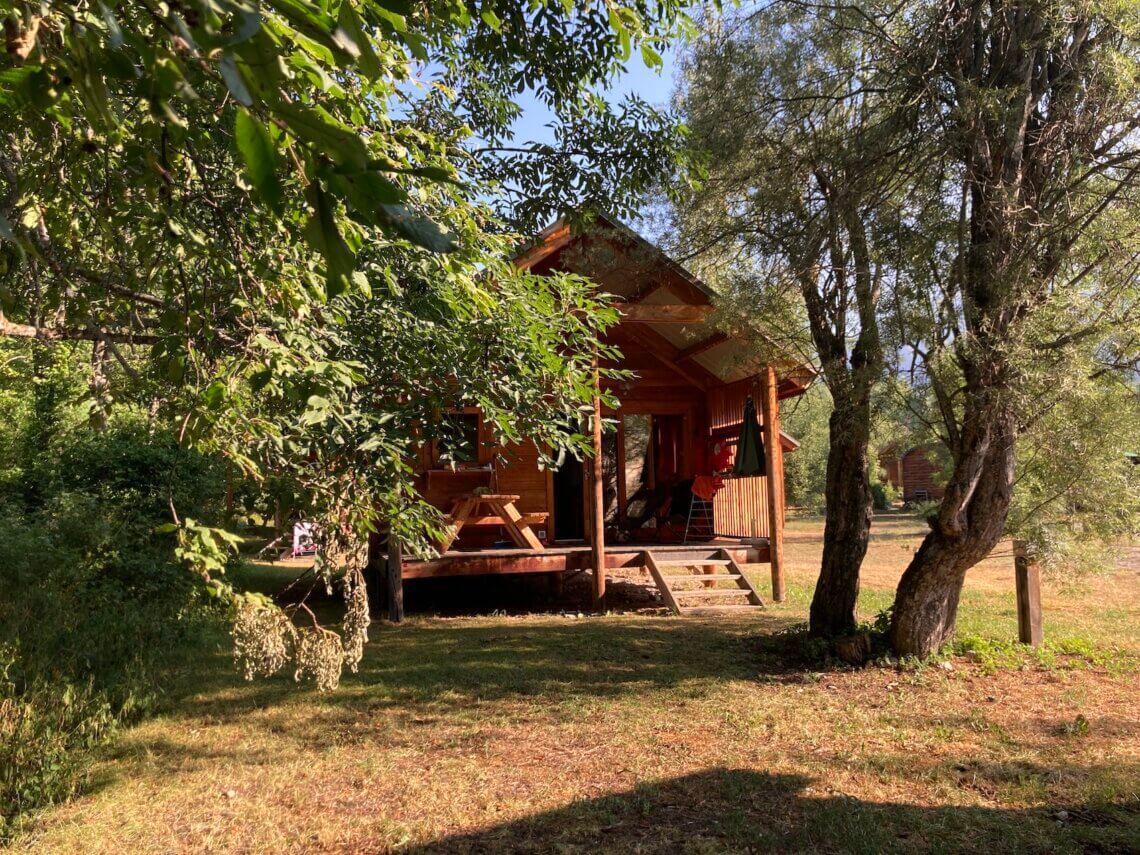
(706, 486)
(750, 449)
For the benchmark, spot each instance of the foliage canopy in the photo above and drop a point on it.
(283, 228)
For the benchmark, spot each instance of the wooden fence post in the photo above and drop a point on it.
(1028, 579)
(395, 578)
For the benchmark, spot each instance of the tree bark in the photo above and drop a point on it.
(98, 385)
(850, 379)
(848, 527)
(970, 523)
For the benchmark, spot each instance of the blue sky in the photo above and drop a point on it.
(653, 85)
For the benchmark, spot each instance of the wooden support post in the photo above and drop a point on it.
(1028, 580)
(597, 502)
(619, 459)
(376, 574)
(774, 463)
(395, 577)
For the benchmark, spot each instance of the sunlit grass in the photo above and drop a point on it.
(642, 732)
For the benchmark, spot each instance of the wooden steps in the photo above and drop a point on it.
(685, 559)
(704, 577)
(705, 599)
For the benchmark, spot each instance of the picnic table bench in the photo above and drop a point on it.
(501, 510)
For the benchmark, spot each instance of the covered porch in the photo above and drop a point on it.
(658, 492)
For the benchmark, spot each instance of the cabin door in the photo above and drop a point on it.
(569, 500)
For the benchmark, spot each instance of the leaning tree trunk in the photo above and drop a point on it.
(970, 523)
(848, 526)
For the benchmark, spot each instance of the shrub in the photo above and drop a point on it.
(93, 603)
(44, 728)
(883, 495)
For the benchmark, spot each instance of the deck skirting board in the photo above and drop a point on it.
(556, 559)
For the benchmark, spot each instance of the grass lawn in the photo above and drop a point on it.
(642, 732)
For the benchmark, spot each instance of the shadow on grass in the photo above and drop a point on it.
(734, 810)
(506, 594)
(558, 654)
(433, 666)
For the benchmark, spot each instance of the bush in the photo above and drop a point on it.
(926, 510)
(93, 602)
(44, 727)
(883, 495)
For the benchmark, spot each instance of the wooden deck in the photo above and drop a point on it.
(565, 558)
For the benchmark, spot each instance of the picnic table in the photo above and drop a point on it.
(499, 510)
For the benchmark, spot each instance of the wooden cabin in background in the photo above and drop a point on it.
(658, 493)
(916, 473)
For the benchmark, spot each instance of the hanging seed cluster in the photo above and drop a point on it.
(320, 657)
(263, 640)
(266, 639)
(356, 619)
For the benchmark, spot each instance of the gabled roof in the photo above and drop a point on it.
(665, 307)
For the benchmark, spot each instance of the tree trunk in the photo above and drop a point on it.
(970, 523)
(850, 379)
(848, 526)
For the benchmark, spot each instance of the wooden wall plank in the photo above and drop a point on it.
(740, 509)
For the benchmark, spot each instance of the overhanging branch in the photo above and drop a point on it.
(16, 330)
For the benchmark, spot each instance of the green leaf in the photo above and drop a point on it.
(650, 56)
(415, 227)
(114, 31)
(396, 22)
(435, 173)
(351, 31)
(314, 126)
(264, 66)
(261, 378)
(260, 156)
(249, 22)
(312, 21)
(305, 15)
(365, 192)
(214, 395)
(234, 81)
(28, 84)
(491, 19)
(324, 236)
(397, 7)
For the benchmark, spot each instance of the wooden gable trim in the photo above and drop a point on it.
(559, 236)
(667, 353)
(646, 291)
(663, 313)
(702, 346)
(694, 304)
(699, 292)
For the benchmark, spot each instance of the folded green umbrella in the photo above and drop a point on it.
(750, 448)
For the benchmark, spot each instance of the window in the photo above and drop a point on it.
(458, 441)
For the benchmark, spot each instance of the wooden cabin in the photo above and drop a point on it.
(916, 473)
(658, 493)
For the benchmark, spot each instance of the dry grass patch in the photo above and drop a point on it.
(643, 732)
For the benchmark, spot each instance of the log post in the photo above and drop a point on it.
(597, 502)
(774, 465)
(376, 574)
(619, 455)
(395, 579)
(1028, 581)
